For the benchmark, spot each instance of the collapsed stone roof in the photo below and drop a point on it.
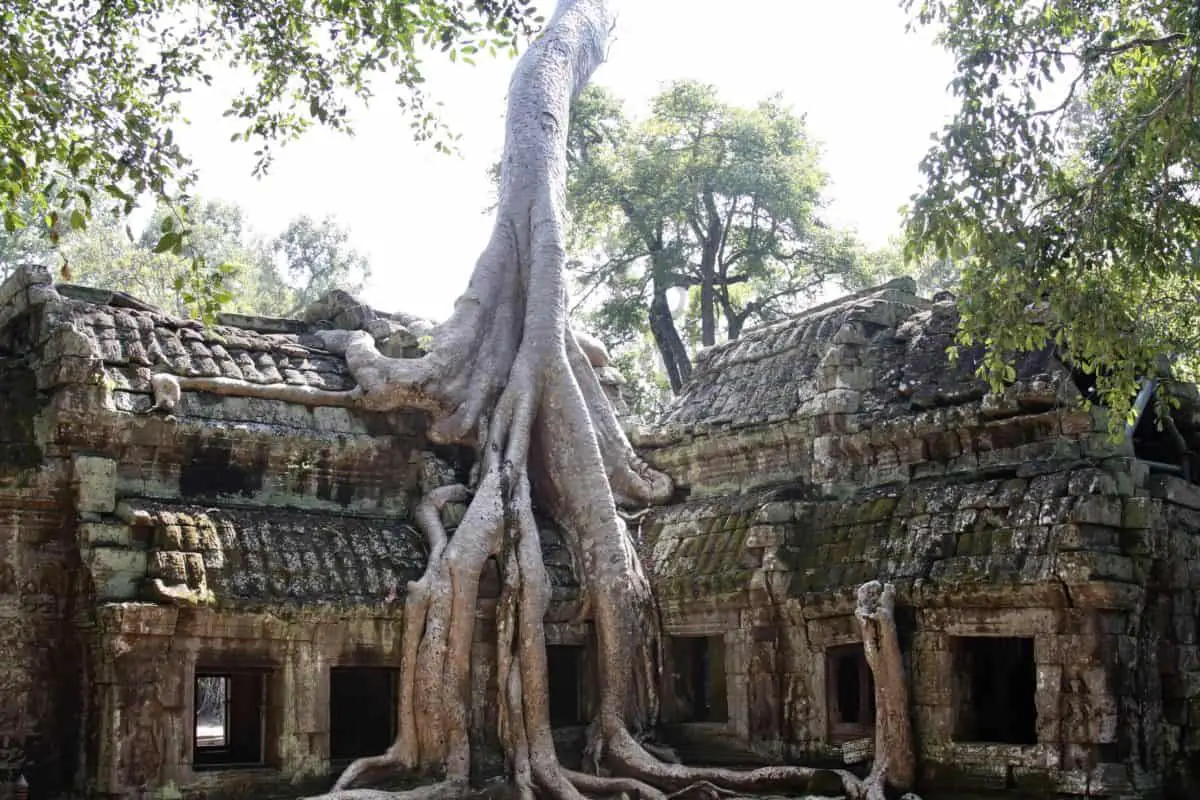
(247, 556)
(132, 341)
(987, 532)
(880, 352)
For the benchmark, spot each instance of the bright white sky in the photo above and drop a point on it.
(873, 95)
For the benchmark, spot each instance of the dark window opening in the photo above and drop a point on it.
(230, 711)
(849, 692)
(995, 683)
(362, 711)
(565, 667)
(1157, 439)
(1085, 382)
(699, 683)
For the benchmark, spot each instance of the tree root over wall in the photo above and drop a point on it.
(504, 375)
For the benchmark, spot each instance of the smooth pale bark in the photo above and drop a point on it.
(895, 758)
(168, 389)
(505, 375)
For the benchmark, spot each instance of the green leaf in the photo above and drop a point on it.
(168, 242)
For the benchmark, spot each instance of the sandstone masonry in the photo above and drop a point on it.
(191, 605)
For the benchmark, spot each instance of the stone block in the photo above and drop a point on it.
(1175, 490)
(1099, 510)
(1102, 445)
(117, 573)
(194, 567)
(775, 513)
(1137, 513)
(98, 534)
(170, 566)
(1072, 782)
(95, 481)
(1081, 536)
(1081, 567)
(168, 537)
(1034, 781)
(1110, 779)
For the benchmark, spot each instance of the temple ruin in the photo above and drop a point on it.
(206, 600)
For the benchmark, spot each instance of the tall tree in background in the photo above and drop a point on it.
(1068, 182)
(317, 257)
(718, 201)
(872, 267)
(90, 90)
(244, 279)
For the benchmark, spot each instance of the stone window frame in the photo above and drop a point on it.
(713, 713)
(223, 656)
(825, 634)
(725, 626)
(960, 649)
(267, 691)
(934, 719)
(837, 730)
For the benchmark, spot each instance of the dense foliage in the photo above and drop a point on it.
(1067, 183)
(90, 90)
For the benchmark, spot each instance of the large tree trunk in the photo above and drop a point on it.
(710, 248)
(734, 323)
(671, 349)
(504, 375)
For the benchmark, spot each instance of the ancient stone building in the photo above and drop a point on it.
(207, 603)
(240, 551)
(1047, 574)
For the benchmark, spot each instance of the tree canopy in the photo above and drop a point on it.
(1066, 183)
(704, 197)
(256, 275)
(90, 90)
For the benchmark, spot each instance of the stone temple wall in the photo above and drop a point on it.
(238, 539)
(267, 544)
(91, 655)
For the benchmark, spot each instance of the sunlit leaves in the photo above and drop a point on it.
(1067, 183)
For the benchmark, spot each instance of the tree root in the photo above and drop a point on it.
(505, 375)
(628, 757)
(632, 481)
(703, 788)
(168, 389)
(444, 790)
(895, 761)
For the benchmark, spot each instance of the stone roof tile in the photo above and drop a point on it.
(128, 338)
(881, 351)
